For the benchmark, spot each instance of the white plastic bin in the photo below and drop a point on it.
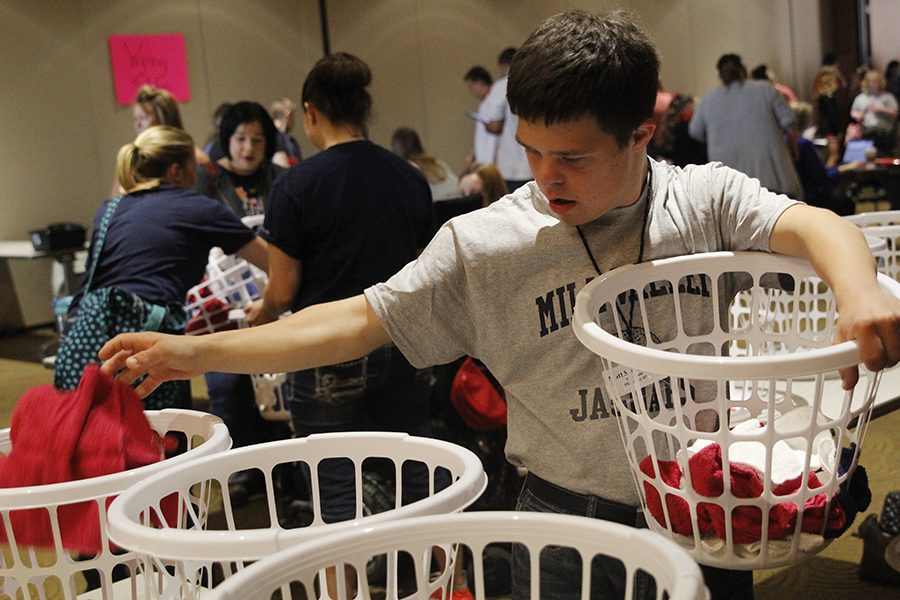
(57, 573)
(217, 304)
(230, 282)
(199, 552)
(884, 225)
(296, 573)
(697, 393)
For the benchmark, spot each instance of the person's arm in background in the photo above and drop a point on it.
(886, 105)
(281, 159)
(697, 124)
(494, 108)
(838, 251)
(256, 252)
(495, 127)
(783, 113)
(858, 108)
(322, 334)
(284, 282)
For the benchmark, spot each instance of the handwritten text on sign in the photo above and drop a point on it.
(160, 60)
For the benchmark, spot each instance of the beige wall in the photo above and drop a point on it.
(883, 18)
(60, 127)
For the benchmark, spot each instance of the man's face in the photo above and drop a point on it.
(479, 89)
(247, 146)
(581, 169)
(144, 117)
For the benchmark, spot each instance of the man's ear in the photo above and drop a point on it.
(643, 134)
(176, 174)
(173, 172)
(311, 113)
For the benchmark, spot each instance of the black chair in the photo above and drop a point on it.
(444, 210)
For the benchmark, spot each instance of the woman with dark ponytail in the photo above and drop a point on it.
(148, 247)
(339, 222)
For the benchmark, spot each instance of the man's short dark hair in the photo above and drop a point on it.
(579, 64)
(731, 68)
(760, 73)
(506, 56)
(479, 73)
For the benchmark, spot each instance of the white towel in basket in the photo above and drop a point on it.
(788, 453)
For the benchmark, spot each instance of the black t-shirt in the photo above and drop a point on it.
(249, 189)
(158, 242)
(353, 215)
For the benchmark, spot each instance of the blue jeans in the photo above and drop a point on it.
(378, 392)
(561, 569)
(231, 398)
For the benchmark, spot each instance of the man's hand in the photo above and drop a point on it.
(257, 314)
(160, 357)
(873, 320)
(838, 251)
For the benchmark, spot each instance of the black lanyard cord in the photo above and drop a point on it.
(640, 257)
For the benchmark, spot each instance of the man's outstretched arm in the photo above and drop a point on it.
(838, 251)
(319, 335)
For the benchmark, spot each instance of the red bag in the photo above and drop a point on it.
(477, 397)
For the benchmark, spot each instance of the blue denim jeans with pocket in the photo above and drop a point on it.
(560, 577)
(561, 567)
(378, 392)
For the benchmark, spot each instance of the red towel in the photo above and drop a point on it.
(95, 430)
(746, 522)
(211, 316)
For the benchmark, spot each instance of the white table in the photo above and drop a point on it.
(26, 289)
(803, 391)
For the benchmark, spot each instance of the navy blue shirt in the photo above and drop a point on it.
(158, 242)
(353, 215)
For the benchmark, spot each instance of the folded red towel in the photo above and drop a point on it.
(211, 316)
(707, 478)
(95, 430)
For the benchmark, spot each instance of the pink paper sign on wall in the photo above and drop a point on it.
(160, 60)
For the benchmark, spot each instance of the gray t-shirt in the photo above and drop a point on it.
(743, 125)
(500, 284)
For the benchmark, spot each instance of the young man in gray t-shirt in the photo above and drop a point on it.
(500, 283)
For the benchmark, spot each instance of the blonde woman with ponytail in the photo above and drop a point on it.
(148, 247)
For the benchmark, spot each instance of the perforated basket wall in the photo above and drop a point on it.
(696, 391)
(268, 388)
(230, 282)
(773, 305)
(56, 572)
(296, 573)
(884, 225)
(213, 537)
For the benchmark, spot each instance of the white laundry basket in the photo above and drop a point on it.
(217, 303)
(230, 282)
(207, 544)
(57, 573)
(773, 304)
(696, 393)
(268, 388)
(296, 573)
(884, 225)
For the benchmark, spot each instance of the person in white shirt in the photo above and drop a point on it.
(511, 159)
(484, 146)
